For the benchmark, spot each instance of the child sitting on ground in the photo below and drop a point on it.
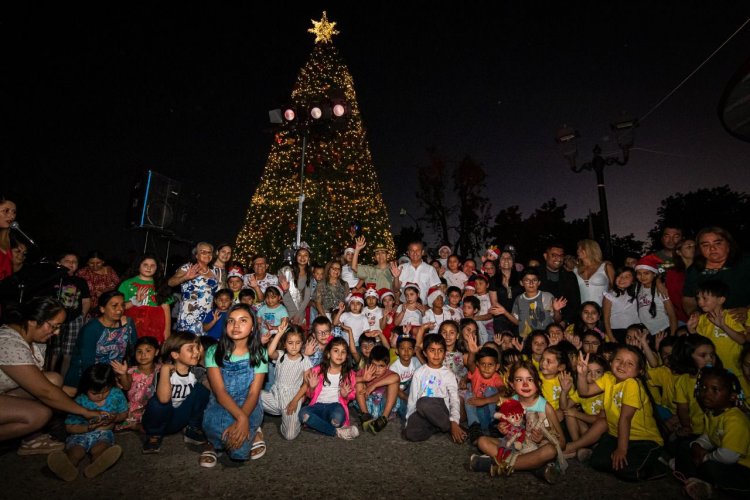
(377, 390)
(405, 366)
(486, 386)
(96, 391)
(138, 380)
(433, 404)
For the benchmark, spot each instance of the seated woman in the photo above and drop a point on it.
(109, 337)
(27, 394)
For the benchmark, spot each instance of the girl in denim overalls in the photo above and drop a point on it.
(237, 367)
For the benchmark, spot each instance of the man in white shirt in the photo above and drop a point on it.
(415, 271)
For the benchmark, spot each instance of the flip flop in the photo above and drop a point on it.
(257, 446)
(208, 459)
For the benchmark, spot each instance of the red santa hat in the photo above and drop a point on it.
(384, 292)
(370, 291)
(412, 285)
(235, 272)
(470, 285)
(433, 294)
(355, 297)
(650, 263)
(492, 253)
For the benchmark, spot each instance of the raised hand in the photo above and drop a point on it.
(692, 322)
(359, 243)
(283, 326)
(497, 310)
(583, 364)
(369, 373)
(471, 343)
(516, 343)
(659, 337)
(395, 270)
(141, 296)
(566, 381)
(192, 272)
(559, 303)
(344, 389)
(252, 281)
(311, 346)
(312, 379)
(119, 368)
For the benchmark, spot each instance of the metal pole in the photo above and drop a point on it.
(599, 169)
(145, 243)
(301, 189)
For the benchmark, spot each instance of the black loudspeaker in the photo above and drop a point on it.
(156, 203)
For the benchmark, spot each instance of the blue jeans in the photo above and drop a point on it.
(481, 415)
(323, 417)
(160, 419)
(238, 377)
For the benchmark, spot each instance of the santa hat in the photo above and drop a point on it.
(355, 297)
(384, 292)
(470, 285)
(650, 263)
(445, 247)
(433, 294)
(370, 291)
(235, 272)
(493, 253)
(348, 250)
(412, 285)
(480, 276)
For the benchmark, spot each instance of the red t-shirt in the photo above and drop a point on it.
(480, 384)
(6, 263)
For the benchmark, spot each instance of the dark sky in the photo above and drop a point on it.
(94, 97)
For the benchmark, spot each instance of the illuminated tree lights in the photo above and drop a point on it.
(340, 183)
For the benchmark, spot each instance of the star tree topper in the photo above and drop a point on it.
(323, 30)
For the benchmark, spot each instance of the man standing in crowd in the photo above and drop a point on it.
(560, 282)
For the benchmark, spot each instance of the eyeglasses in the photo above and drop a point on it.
(54, 327)
(323, 332)
(530, 281)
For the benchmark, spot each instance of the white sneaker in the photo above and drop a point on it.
(347, 433)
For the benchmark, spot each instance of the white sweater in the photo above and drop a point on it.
(435, 383)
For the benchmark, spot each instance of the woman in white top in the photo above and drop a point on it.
(595, 275)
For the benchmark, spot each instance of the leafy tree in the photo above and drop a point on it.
(718, 206)
(473, 208)
(432, 196)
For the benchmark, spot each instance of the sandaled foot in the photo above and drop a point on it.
(208, 459)
(59, 463)
(43, 444)
(107, 459)
(258, 450)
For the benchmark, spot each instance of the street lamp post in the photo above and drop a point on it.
(624, 131)
(319, 116)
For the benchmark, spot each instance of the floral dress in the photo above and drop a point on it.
(141, 390)
(197, 299)
(98, 284)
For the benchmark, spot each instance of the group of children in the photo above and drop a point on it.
(606, 392)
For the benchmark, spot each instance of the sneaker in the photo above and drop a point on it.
(552, 473)
(194, 435)
(347, 433)
(375, 425)
(480, 463)
(697, 489)
(152, 445)
(475, 432)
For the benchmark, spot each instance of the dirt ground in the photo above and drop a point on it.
(313, 466)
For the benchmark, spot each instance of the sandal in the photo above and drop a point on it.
(43, 444)
(208, 459)
(258, 450)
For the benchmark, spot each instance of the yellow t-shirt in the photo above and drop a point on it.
(726, 348)
(551, 391)
(745, 384)
(684, 393)
(661, 381)
(629, 392)
(730, 430)
(590, 406)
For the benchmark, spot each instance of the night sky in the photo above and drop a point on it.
(95, 97)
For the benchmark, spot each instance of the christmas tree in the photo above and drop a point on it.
(342, 194)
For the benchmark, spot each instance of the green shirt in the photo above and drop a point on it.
(211, 361)
(130, 288)
(383, 278)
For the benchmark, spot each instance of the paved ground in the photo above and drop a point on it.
(314, 466)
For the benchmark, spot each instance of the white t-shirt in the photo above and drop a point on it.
(661, 320)
(357, 322)
(456, 314)
(624, 311)
(268, 280)
(435, 383)
(182, 386)
(329, 393)
(348, 275)
(410, 317)
(373, 317)
(15, 351)
(431, 317)
(405, 373)
(458, 279)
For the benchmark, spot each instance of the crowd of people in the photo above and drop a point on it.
(638, 368)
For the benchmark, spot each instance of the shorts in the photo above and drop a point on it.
(87, 440)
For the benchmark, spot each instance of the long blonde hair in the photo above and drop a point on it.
(593, 251)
